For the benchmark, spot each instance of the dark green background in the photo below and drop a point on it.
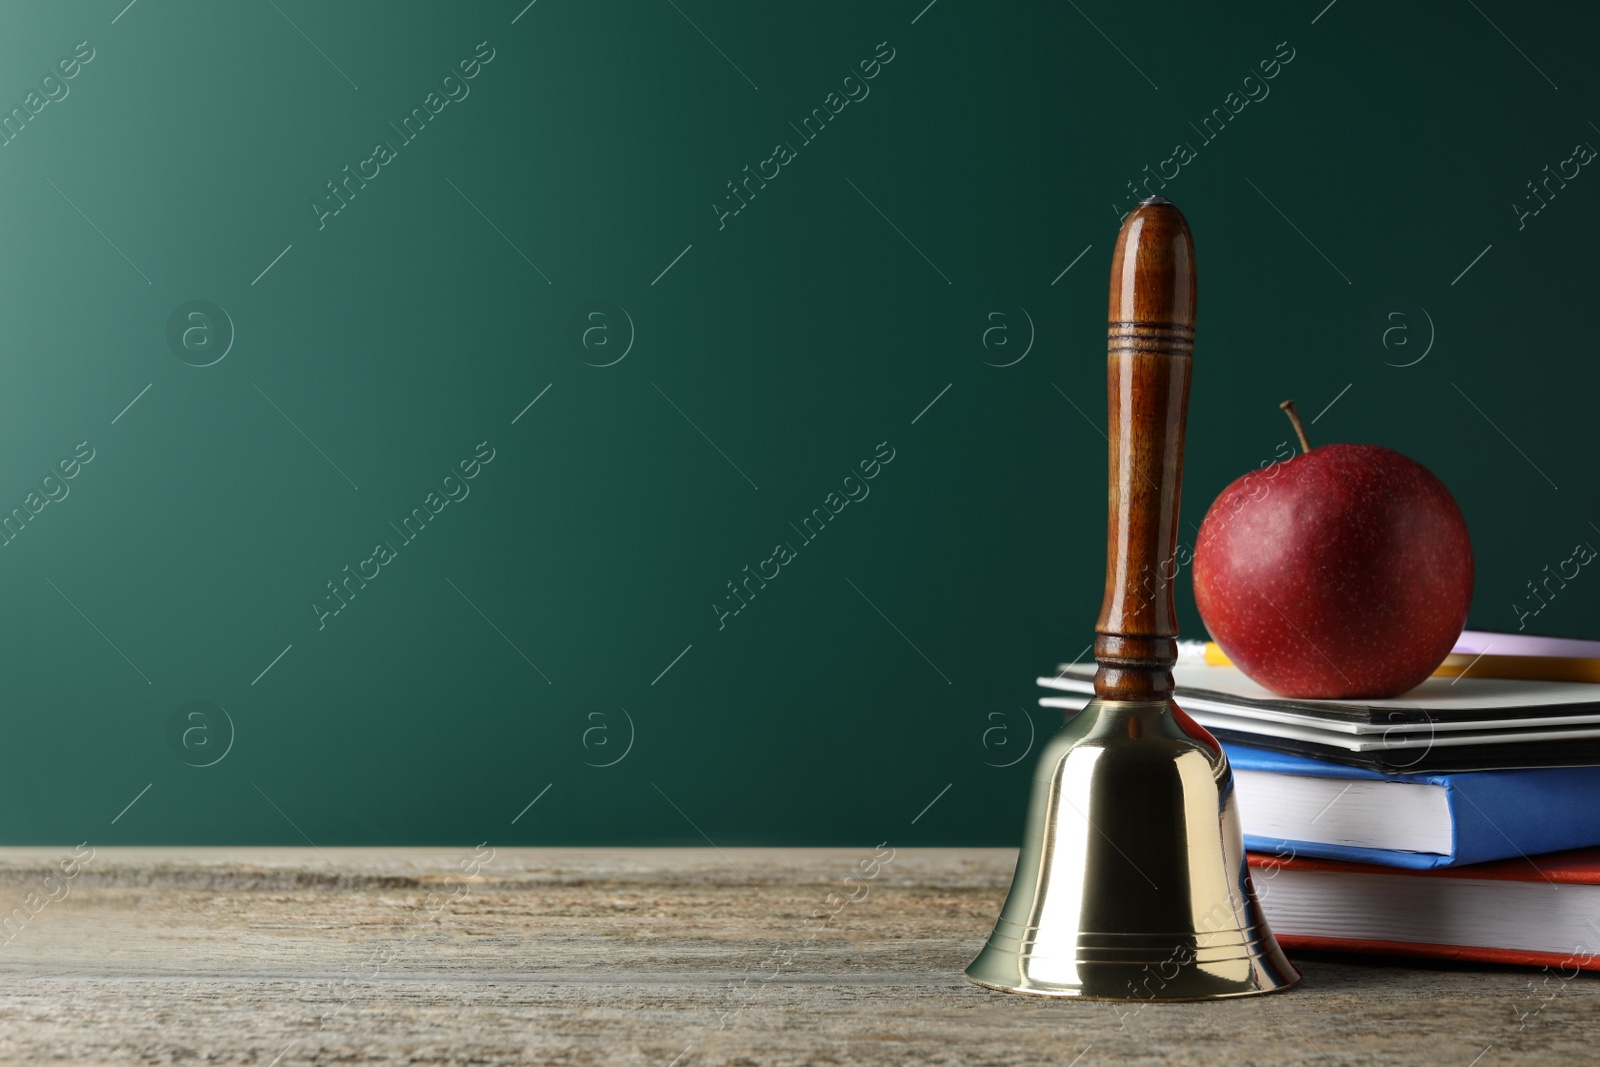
(797, 338)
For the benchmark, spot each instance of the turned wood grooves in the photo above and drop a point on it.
(1150, 342)
(1135, 337)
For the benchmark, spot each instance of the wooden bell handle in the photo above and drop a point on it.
(1150, 346)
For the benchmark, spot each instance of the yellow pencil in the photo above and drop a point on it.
(1455, 665)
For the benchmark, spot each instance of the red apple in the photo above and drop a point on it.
(1344, 572)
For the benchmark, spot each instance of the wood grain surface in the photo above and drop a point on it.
(653, 957)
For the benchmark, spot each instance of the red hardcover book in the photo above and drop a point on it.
(1541, 912)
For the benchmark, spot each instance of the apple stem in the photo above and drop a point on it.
(1299, 427)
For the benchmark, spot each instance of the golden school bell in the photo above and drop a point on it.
(1131, 883)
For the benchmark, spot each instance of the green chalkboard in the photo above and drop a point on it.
(672, 420)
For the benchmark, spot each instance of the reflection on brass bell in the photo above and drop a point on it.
(1131, 883)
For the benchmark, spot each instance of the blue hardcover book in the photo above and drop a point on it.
(1293, 805)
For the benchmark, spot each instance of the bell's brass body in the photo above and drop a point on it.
(1132, 882)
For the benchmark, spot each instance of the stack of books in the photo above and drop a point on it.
(1459, 821)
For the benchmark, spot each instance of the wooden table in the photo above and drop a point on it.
(653, 957)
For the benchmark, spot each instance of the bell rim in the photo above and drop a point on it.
(1066, 994)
